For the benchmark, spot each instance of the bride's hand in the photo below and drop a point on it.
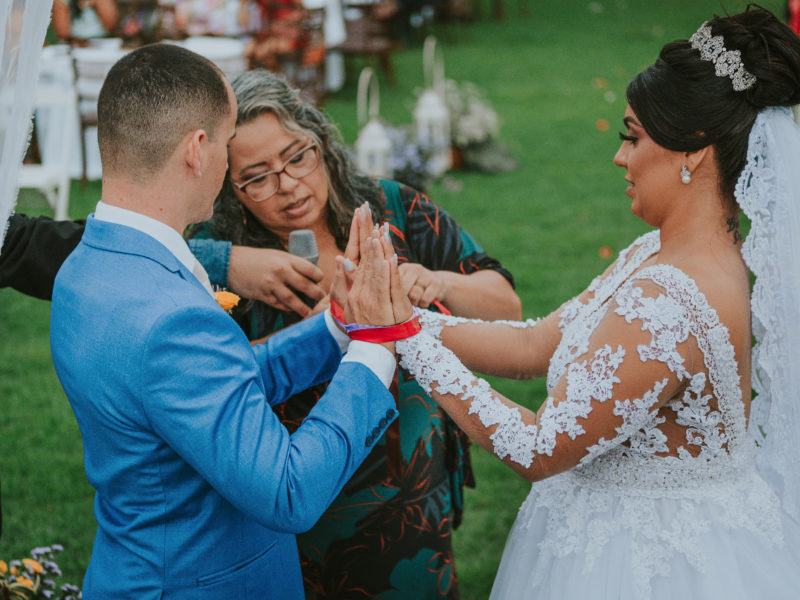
(401, 305)
(369, 299)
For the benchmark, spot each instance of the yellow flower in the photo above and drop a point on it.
(3, 567)
(24, 581)
(32, 565)
(14, 571)
(227, 300)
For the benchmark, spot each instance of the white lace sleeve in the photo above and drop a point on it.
(433, 322)
(633, 363)
(513, 349)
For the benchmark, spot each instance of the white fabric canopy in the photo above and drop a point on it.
(23, 24)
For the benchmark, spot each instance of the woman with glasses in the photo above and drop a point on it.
(390, 528)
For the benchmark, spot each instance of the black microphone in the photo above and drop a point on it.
(302, 243)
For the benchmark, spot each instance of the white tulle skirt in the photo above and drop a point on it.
(573, 540)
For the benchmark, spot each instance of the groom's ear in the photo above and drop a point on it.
(193, 149)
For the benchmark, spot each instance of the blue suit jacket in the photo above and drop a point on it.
(200, 489)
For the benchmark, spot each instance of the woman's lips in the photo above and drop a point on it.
(629, 189)
(298, 208)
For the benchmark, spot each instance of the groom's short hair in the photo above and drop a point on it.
(150, 99)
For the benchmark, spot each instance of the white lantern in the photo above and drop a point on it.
(373, 146)
(431, 117)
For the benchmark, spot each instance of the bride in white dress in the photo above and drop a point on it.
(654, 476)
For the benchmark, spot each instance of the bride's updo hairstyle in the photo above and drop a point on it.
(684, 106)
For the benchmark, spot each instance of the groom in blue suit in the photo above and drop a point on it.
(199, 488)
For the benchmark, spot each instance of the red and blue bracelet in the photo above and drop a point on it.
(377, 334)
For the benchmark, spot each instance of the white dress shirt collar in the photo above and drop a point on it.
(161, 232)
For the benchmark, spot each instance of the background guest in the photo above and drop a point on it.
(80, 20)
(33, 250)
(213, 17)
(280, 31)
(288, 171)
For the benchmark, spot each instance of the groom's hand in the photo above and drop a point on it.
(369, 299)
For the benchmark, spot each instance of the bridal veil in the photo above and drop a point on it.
(768, 191)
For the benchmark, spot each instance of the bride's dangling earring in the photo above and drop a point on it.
(686, 176)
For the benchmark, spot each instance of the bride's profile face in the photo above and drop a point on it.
(651, 170)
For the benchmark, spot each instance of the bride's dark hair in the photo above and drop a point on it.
(684, 106)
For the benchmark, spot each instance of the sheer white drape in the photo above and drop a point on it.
(768, 191)
(23, 24)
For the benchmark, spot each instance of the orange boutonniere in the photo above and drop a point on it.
(227, 300)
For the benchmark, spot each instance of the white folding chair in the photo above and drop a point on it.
(52, 176)
(91, 65)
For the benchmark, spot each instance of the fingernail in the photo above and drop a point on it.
(394, 259)
(386, 235)
(364, 209)
(349, 265)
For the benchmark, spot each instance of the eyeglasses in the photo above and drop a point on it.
(266, 185)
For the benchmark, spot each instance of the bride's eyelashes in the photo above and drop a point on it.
(627, 138)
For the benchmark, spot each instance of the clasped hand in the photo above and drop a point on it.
(367, 284)
(278, 278)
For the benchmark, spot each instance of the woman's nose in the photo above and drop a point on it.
(621, 157)
(287, 182)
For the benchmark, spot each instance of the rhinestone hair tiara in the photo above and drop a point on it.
(727, 63)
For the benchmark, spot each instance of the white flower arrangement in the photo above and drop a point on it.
(472, 118)
(474, 126)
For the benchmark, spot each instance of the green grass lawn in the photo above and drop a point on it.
(551, 75)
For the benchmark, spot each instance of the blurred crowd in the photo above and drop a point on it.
(141, 21)
(309, 36)
(79, 21)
